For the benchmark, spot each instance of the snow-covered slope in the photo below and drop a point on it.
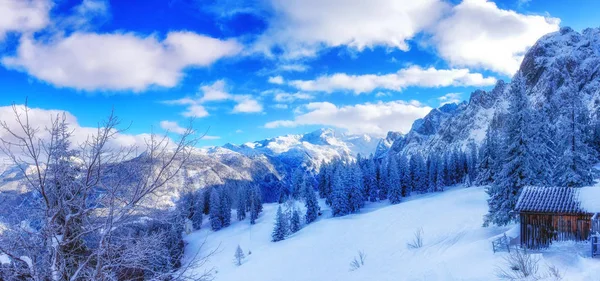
(563, 61)
(456, 246)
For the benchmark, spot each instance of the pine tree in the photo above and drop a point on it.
(373, 188)
(281, 228)
(239, 256)
(242, 202)
(297, 182)
(255, 204)
(216, 221)
(574, 165)
(405, 181)
(516, 171)
(339, 196)
(312, 205)
(355, 189)
(384, 180)
(395, 188)
(295, 223)
(225, 205)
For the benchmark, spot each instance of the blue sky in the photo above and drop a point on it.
(250, 70)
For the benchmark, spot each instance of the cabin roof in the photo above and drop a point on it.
(550, 200)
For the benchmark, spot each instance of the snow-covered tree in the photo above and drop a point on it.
(281, 226)
(216, 220)
(517, 169)
(339, 196)
(312, 205)
(239, 256)
(295, 223)
(395, 187)
(574, 164)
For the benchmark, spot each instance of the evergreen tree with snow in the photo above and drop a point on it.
(225, 206)
(295, 223)
(395, 187)
(355, 188)
(574, 165)
(405, 181)
(216, 221)
(297, 183)
(255, 204)
(373, 188)
(239, 255)
(312, 205)
(241, 202)
(384, 180)
(489, 156)
(440, 172)
(516, 172)
(281, 227)
(339, 196)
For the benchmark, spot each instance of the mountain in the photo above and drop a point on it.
(563, 61)
(277, 157)
(308, 150)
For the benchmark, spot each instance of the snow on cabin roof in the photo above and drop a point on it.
(550, 200)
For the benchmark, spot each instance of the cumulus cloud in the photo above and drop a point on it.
(172, 126)
(23, 16)
(373, 118)
(42, 118)
(291, 97)
(276, 80)
(407, 77)
(479, 34)
(300, 28)
(216, 92)
(117, 61)
(450, 98)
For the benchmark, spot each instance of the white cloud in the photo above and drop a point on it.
(23, 15)
(276, 80)
(450, 98)
(288, 97)
(246, 104)
(411, 76)
(172, 127)
(117, 61)
(374, 118)
(292, 67)
(207, 137)
(41, 118)
(280, 106)
(301, 28)
(238, 131)
(216, 92)
(479, 34)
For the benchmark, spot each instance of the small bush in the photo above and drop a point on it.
(359, 261)
(417, 241)
(518, 265)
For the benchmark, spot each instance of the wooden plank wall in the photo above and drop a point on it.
(538, 230)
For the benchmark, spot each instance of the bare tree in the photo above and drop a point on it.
(88, 218)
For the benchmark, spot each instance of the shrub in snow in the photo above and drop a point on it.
(239, 256)
(518, 265)
(417, 241)
(359, 261)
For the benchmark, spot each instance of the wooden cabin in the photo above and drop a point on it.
(552, 214)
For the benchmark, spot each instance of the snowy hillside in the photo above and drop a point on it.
(456, 246)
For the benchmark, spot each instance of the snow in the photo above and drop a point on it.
(456, 247)
(590, 198)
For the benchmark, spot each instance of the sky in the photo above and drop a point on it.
(242, 71)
